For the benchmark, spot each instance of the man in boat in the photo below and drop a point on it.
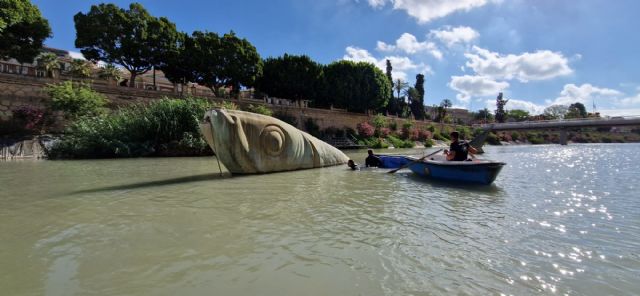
(458, 150)
(372, 160)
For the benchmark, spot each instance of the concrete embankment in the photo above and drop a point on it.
(30, 148)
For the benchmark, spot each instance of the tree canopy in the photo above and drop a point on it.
(291, 77)
(576, 110)
(555, 111)
(357, 86)
(518, 115)
(215, 61)
(132, 38)
(22, 30)
(500, 113)
(417, 100)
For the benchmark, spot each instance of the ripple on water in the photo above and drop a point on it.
(558, 220)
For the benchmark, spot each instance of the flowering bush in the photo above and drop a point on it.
(30, 116)
(365, 129)
(424, 135)
(385, 131)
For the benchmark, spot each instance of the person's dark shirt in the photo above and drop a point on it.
(372, 161)
(461, 150)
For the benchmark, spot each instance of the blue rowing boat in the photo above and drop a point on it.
(475, 171)
(393, 161)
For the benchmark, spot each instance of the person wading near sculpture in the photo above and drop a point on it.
(372, 160)
(352, 165)
(458, 150)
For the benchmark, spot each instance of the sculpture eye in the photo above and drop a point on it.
(272, 140)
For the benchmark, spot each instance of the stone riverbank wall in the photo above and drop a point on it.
(17, 91)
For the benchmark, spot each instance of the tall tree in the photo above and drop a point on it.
(219, 61)
(500, 113)
(357, 86)
(291, 77)
(388, 73)
(442, 109)
(179, 66)
(132, 38)
(576, 110)
(400, 87)
(483, 114)
(417, 103)
(22, 30)
(555, 111)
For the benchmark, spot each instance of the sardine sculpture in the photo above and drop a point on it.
(249, 143)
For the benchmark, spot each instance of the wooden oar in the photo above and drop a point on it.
(417, 160)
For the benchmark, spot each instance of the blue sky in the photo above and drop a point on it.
(538, 52)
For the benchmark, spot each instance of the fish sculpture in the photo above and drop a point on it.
(250, 143)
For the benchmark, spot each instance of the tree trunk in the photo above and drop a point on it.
(132, 80)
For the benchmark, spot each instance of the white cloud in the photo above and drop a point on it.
(539, 65)
(401, 65)
(584, 94)
(359, 55)
(381, 46)
(620, 112)
(630, 101)
(513, 104)
(76, 55)
(458, 35)
(428, 10)
(376, 3)
(473, 86)
(410, 45)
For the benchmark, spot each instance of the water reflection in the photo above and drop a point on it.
(558, 220)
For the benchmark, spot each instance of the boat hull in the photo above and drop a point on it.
(393, 161)
(478, 172)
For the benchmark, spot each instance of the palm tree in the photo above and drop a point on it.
(80, 68)
(48, 62)
(110, 72)
(400, 86)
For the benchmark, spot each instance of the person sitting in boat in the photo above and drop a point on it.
(458, 150)
(352, 165)
(372, 160)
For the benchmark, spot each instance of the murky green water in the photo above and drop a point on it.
(563, 220)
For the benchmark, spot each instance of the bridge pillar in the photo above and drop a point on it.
(563, 136)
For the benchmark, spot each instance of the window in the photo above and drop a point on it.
(40, 73)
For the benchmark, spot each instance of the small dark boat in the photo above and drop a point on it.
(473, 171)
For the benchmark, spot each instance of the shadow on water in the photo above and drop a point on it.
(492, 189)
(172, 181)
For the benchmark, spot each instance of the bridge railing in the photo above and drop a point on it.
(538, 122)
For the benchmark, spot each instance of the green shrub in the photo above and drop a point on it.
(431, 128)
(515, 136)
(379, 121)
(259, 109)
(168, 127)
(75, 99)
(399, 143)
(428, 143)
(465, 132)
(376, 143)
(493, 139)
(393, 125)
(224, 104)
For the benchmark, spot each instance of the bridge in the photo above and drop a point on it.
(562, 125)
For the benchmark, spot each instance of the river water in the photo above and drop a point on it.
(558, 220)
